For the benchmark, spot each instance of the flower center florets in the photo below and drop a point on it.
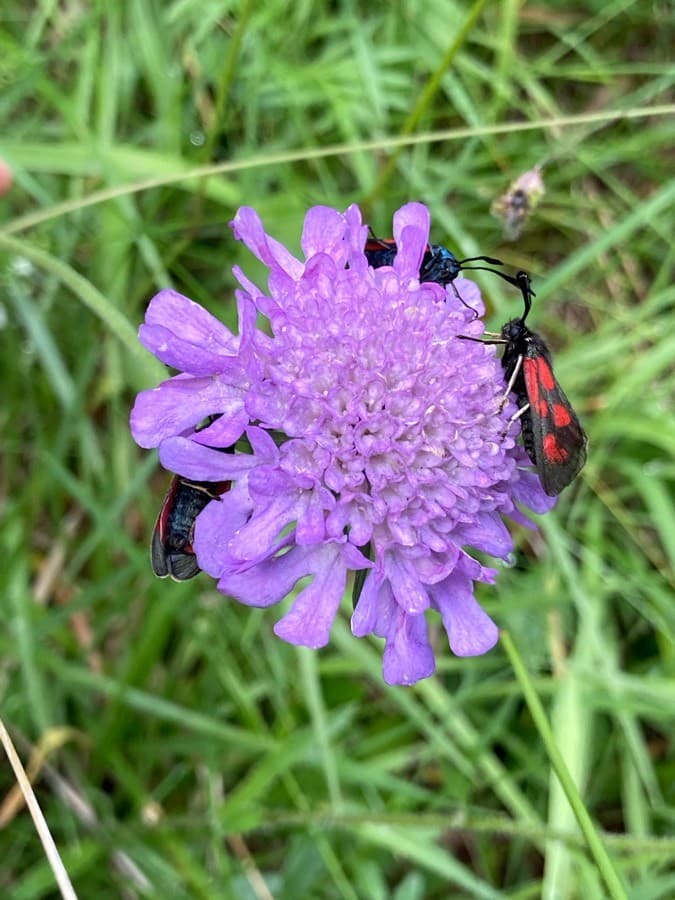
(381, 389)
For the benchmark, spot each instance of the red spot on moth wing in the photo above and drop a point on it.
(561, 415)
(544, 373)
(553, 449)
(532, 381)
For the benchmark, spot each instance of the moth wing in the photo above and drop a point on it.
(158, 556)
(183, 566)
(559, 440)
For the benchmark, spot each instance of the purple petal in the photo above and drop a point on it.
(191, 460)
(262, 444)
(270, 481)
(308, 622)
(356, 237)
(487, 533)
(361, 526)
(387, 610)
(311, 526)
(178, 405)
(470, 293)
(364, 617)
(268, 581)
(246, 317)
(214, 525)
(437, 566)
(251, 290)
(352, 557)
(408, 656)
(411, 233)
(408, 591)
(515, 515)
(226, 430)
(474, 571)
(321, 272)
(265, 405)
(528, 491)
(258, 537)
(323, 232)
(248, 228)
(470, 630)
(184, 335)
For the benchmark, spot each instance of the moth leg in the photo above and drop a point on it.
(208, 490)
(514, 418)
(462, 301)
(512, 380)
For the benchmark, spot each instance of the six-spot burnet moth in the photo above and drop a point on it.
(552, 435)
(438, 263)
(171, 551)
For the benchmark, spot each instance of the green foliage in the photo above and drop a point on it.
(210, 760)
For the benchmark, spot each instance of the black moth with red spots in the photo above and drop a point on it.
(552, 436)
(171, 551)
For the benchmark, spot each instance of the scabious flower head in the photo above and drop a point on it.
(369, 437)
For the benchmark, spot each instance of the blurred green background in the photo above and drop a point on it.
(180, 749)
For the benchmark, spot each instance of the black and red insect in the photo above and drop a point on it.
(552, 435)
(171, 550)
(439, 264)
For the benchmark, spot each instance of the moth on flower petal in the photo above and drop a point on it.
(552, 434)
(171, 551)
(439, 264)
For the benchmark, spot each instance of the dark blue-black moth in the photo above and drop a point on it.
(439, 264)
(171, 551)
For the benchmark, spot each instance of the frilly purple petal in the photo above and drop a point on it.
(408, 591)
(308, 622)
(364, 618)
(260, 536)
(218, 521)
(487, 533)
(470, 630)
(182, 334)
(248, 228)
(194, 461)
(528, 491)
(178, 405)
(470, 294)
(324, 232)
(268, 582)
(347, 426)
(411, 233)
(408, 656)
(226, 430)
(356, 237)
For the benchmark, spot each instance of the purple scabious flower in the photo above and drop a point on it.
(368, 436)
